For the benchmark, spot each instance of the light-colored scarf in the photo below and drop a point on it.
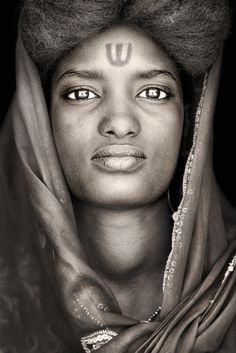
(56, 297)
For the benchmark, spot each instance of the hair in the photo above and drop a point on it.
(190, 31)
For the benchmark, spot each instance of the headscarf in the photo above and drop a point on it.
(53, 299)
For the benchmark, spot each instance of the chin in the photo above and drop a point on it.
(121, 199)
(119, 203)
(119, 192)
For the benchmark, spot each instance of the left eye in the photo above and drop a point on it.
(81, 94)
(154, 93)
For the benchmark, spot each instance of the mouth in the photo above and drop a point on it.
(119, 158)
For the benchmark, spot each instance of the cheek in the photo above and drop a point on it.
(166, 132)
(70, 132)
(73, 153)
(164, 140)
(171, 144)
(72, 144)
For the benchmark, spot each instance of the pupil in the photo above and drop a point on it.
(153, 92)
(82, 94)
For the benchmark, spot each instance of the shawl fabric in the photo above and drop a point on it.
(50, 297)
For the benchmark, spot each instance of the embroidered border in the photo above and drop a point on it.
(179, 215)
(95, 340)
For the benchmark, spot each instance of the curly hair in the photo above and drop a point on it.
(190, 31)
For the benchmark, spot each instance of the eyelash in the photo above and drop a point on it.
(160, 91)
(76, 92)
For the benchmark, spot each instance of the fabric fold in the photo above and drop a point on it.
(199, 296)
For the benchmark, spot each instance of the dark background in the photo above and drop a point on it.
(225, 119)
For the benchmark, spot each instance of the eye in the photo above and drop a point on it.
(153, 93)
(81, 94)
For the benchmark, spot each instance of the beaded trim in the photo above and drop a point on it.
(97, 339)
(179, 215)
(230, 269)
(152, 317)
(79, 308)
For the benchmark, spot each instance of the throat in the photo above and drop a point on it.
(141, 296)
(124, 243)
(128, 249)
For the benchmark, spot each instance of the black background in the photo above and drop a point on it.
(225, 120)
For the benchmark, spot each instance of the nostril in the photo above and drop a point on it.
(119, 125)
(131, 133)
(110, 132)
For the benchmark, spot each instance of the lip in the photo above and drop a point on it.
(119, 158)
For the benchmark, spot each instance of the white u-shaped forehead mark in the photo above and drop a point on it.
(113, 52)
(118, 54)
(124, 51)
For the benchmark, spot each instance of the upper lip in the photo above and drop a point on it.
(119, 151)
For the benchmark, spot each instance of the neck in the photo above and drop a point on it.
(128, 248)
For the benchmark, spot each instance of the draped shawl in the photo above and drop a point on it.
(51, 298)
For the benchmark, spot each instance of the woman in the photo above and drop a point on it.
(110, 128)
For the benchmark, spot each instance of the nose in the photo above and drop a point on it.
(119, 122)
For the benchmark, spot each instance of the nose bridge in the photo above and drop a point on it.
(119, 119)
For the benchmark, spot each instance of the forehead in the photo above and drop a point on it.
(132, 46)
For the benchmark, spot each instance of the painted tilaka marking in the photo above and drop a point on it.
(119, 54)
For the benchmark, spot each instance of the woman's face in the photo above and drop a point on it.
(117, 117)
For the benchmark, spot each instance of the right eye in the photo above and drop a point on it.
(81, 94)
(154, 93)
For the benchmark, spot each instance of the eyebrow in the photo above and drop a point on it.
(96, 75)
(89, 74)
(154, 73)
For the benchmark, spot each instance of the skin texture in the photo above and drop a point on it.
(117, 116)
(134, 101)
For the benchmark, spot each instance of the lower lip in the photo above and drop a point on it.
(119, 164)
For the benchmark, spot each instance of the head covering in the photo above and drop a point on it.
(190, 31)
(51, 297)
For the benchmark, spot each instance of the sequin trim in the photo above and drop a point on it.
(152, 317)
(97, 339)
(230, 269)
(79, 306)
(179, 215)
